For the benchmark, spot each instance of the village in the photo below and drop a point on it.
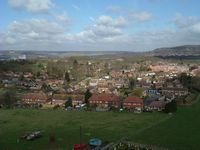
(148, 86)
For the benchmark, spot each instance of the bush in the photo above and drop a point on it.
(114, 109)
(8, 99)
(56, 107)
(171, 107)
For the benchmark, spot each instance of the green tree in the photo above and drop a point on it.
(126, 93)
(67, 77)
(88, 94)
(38, 74)
(21, 77)
(75, 64)
(195, 83)
(68, 103)
(46, 88)
(8, 99)
(138, 92)
(132, 83)
(171, 107)
(185, 80)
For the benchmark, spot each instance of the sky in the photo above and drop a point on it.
(98, 25)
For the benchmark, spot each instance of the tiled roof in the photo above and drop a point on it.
(158, 104)
(175, 89)
(67, 96)
(60, 96)
(35, 96)
(104, 97)
(133, 99)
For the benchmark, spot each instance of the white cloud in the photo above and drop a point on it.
(140, 16)
(196, 27)
(104, 33)
(109, 21)
(44, 33)
(6, 39)
(35, 6)
(34, 30)
(105, 27)
(40, 26)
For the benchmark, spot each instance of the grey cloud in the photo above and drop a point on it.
(35, 6)
(184, 22)
(196, 28)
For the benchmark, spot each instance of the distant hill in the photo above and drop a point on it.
(31, 54)
(186, 50)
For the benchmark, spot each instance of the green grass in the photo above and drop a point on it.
(180, 132)
(65, 126)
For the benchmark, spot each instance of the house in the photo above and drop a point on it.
(10, 82)
(119, 83)
(103, 90)
(104, 100)
(116, 74)
(59, 99)
(175, 91)
(157, 105)
(54, 83)
(28, 75)
(158, 85)
(93, 82)
(151, 92)
(146, 85)
(35, 98)
(150, 99)
(133, 102)
(102, 83)
(78, 99)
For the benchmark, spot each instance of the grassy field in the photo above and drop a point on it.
(65, 126)
(179, 131)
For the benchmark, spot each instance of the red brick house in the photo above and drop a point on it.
(35, 98)
(133, 102)
(59, 99)
(104, 100)
(78, 99)
(157, 105)
(175, 91)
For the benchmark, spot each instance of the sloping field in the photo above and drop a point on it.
(65, 125)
